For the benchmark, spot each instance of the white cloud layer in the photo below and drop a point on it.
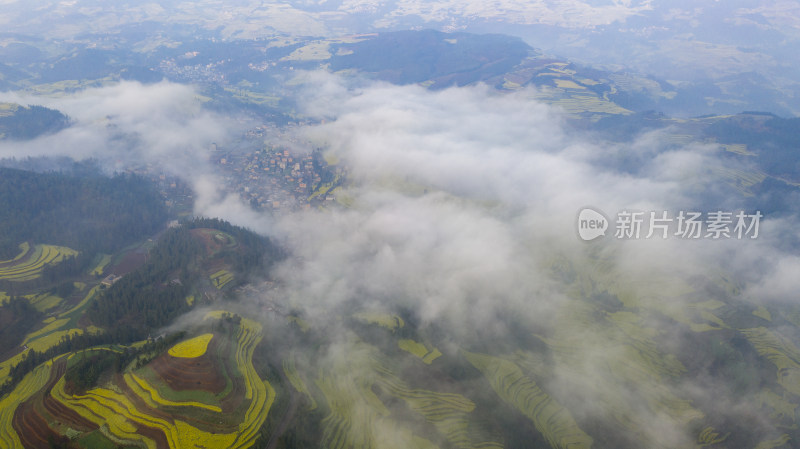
(464, 204)
(463, 209)
(163, 126)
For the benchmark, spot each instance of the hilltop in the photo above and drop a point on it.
(19, 122)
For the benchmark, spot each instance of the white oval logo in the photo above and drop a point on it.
(591, 224)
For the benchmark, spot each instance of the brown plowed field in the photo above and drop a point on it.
(66, 415)
(154, 434)
(32, 429)
(199, 373)
(130, 262)
(235, 398)
(212, 244)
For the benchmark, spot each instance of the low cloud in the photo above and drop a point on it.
(468, 182)
(128, 123)
(464, 204)
(163, 126)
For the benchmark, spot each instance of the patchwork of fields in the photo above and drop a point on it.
(141, 408)
(31, 261)
(232, 380)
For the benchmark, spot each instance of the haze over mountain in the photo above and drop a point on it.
(732, 47)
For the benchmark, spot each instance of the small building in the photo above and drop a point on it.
(110, 280)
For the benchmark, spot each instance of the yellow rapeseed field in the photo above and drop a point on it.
(29, 385)
(419, 350)
(386, 320)
(30, 263)
(554, 421)
(123, 419)
(151, 396)
(221, 278)
(191, 348)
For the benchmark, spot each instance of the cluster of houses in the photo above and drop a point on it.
(270, 178)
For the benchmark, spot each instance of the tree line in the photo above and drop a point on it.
(32, 121)
(84, 374)
(87, 213)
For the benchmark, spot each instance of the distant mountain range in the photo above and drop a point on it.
(252, 69)
(250, 75)
(726, 56)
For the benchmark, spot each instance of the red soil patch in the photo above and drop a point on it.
(207, 237)
(235, 398)
(130, 262)
(175, 413)
(59, 411)
(154, 434)
(32, 429)
(199, 373)
(36, 431)
(66, 415)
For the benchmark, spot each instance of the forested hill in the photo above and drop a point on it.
(182, 264)
(20, 122)
(182, 272)
(87, 213)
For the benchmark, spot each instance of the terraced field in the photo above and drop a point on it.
(259, 392)
(781, 441)
(630, 356)
(143, 389)
(30, 262)
(84, 302)
(30, 385)
(221, 278)
(99, 269)
(579, 104)
(359, 418)
(386, 320)
(780, 352)
(297, 381)
(355, 412)
(182, 379)
(39, 341)
(741, 180)
(551, 419)
(34, 422)
(45, 301)
(24, 247)
(130, 409)
(448, 412)
(419, 350)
